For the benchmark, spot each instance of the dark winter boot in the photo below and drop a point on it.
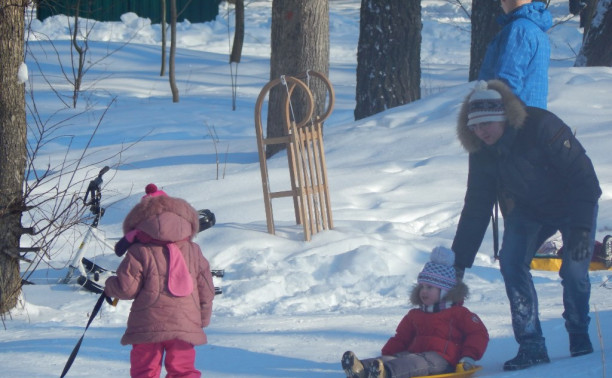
(377, 369)
(353, 368)
(580, 344)
(607, 249)
(527, 357)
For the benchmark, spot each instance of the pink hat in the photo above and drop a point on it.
(152, 191)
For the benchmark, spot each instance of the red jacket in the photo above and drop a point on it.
(453, 333)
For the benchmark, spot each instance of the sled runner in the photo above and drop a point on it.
(459, 373)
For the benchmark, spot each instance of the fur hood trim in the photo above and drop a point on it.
(516, 113)
(150, 208)
(458, 294)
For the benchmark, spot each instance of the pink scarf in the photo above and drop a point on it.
(180, 283)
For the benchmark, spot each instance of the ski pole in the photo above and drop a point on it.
(94, 312)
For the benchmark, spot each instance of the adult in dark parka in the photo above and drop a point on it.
(530, 161)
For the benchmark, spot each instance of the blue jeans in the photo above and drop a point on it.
(522, 238)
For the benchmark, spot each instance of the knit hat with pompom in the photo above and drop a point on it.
(439, 271)
(152, 191)
(485, 105)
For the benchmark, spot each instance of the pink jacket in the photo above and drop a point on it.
(157, 315)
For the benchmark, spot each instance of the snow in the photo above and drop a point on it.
(290, 308)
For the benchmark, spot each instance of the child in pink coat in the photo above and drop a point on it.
(169, 279)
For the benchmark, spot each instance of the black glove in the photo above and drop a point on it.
(122, 246)
(579, 243)
(207, 219)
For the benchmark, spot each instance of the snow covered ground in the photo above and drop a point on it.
(290, 308)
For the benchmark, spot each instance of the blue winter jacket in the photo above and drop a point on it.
(537, 166)
(520, 53)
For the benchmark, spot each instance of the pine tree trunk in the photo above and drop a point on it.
(596, 47)
(388, 55)
(299, 42)
(12, 149)
(484, 28)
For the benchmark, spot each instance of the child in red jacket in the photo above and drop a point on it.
(433, 338)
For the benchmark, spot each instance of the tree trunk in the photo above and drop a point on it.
(299, 42)
(388, 55)
(596, 47)
(12, 149)
(239, 33)
(171, 64)
(162, 70)
(484, 28)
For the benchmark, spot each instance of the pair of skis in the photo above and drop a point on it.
(97, 275)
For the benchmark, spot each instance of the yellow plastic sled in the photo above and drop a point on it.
(548, 256)
(459, 373)
(553, 264)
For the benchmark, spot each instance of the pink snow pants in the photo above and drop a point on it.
(146, 359)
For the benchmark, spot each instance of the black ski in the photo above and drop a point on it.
(218, 272)
(90, 285)
(98, 289)
(92, 267)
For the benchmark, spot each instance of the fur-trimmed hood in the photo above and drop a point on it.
(458, 294)
(515, 109)
(163, 218)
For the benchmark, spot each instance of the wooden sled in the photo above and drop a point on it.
(303, 138)
(459, 373)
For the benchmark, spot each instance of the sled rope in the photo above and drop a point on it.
(75, 351)
(284, 82)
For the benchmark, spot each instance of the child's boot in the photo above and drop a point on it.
(353, 368)
(376, 369)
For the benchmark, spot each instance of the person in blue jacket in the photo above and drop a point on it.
(519, 54)
(529, 160)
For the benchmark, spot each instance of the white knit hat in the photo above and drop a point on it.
(485, 105)
(439, 271)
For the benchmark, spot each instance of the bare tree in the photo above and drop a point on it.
(388, 55)
(236, 47)
(81, 49)
(12, 149)
(300, 42)
(164, 27)
(596, 47)
(484, 29)
(162, 70)
(37, 203)
(171, 69)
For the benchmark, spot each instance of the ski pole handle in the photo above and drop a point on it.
(94, 185)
